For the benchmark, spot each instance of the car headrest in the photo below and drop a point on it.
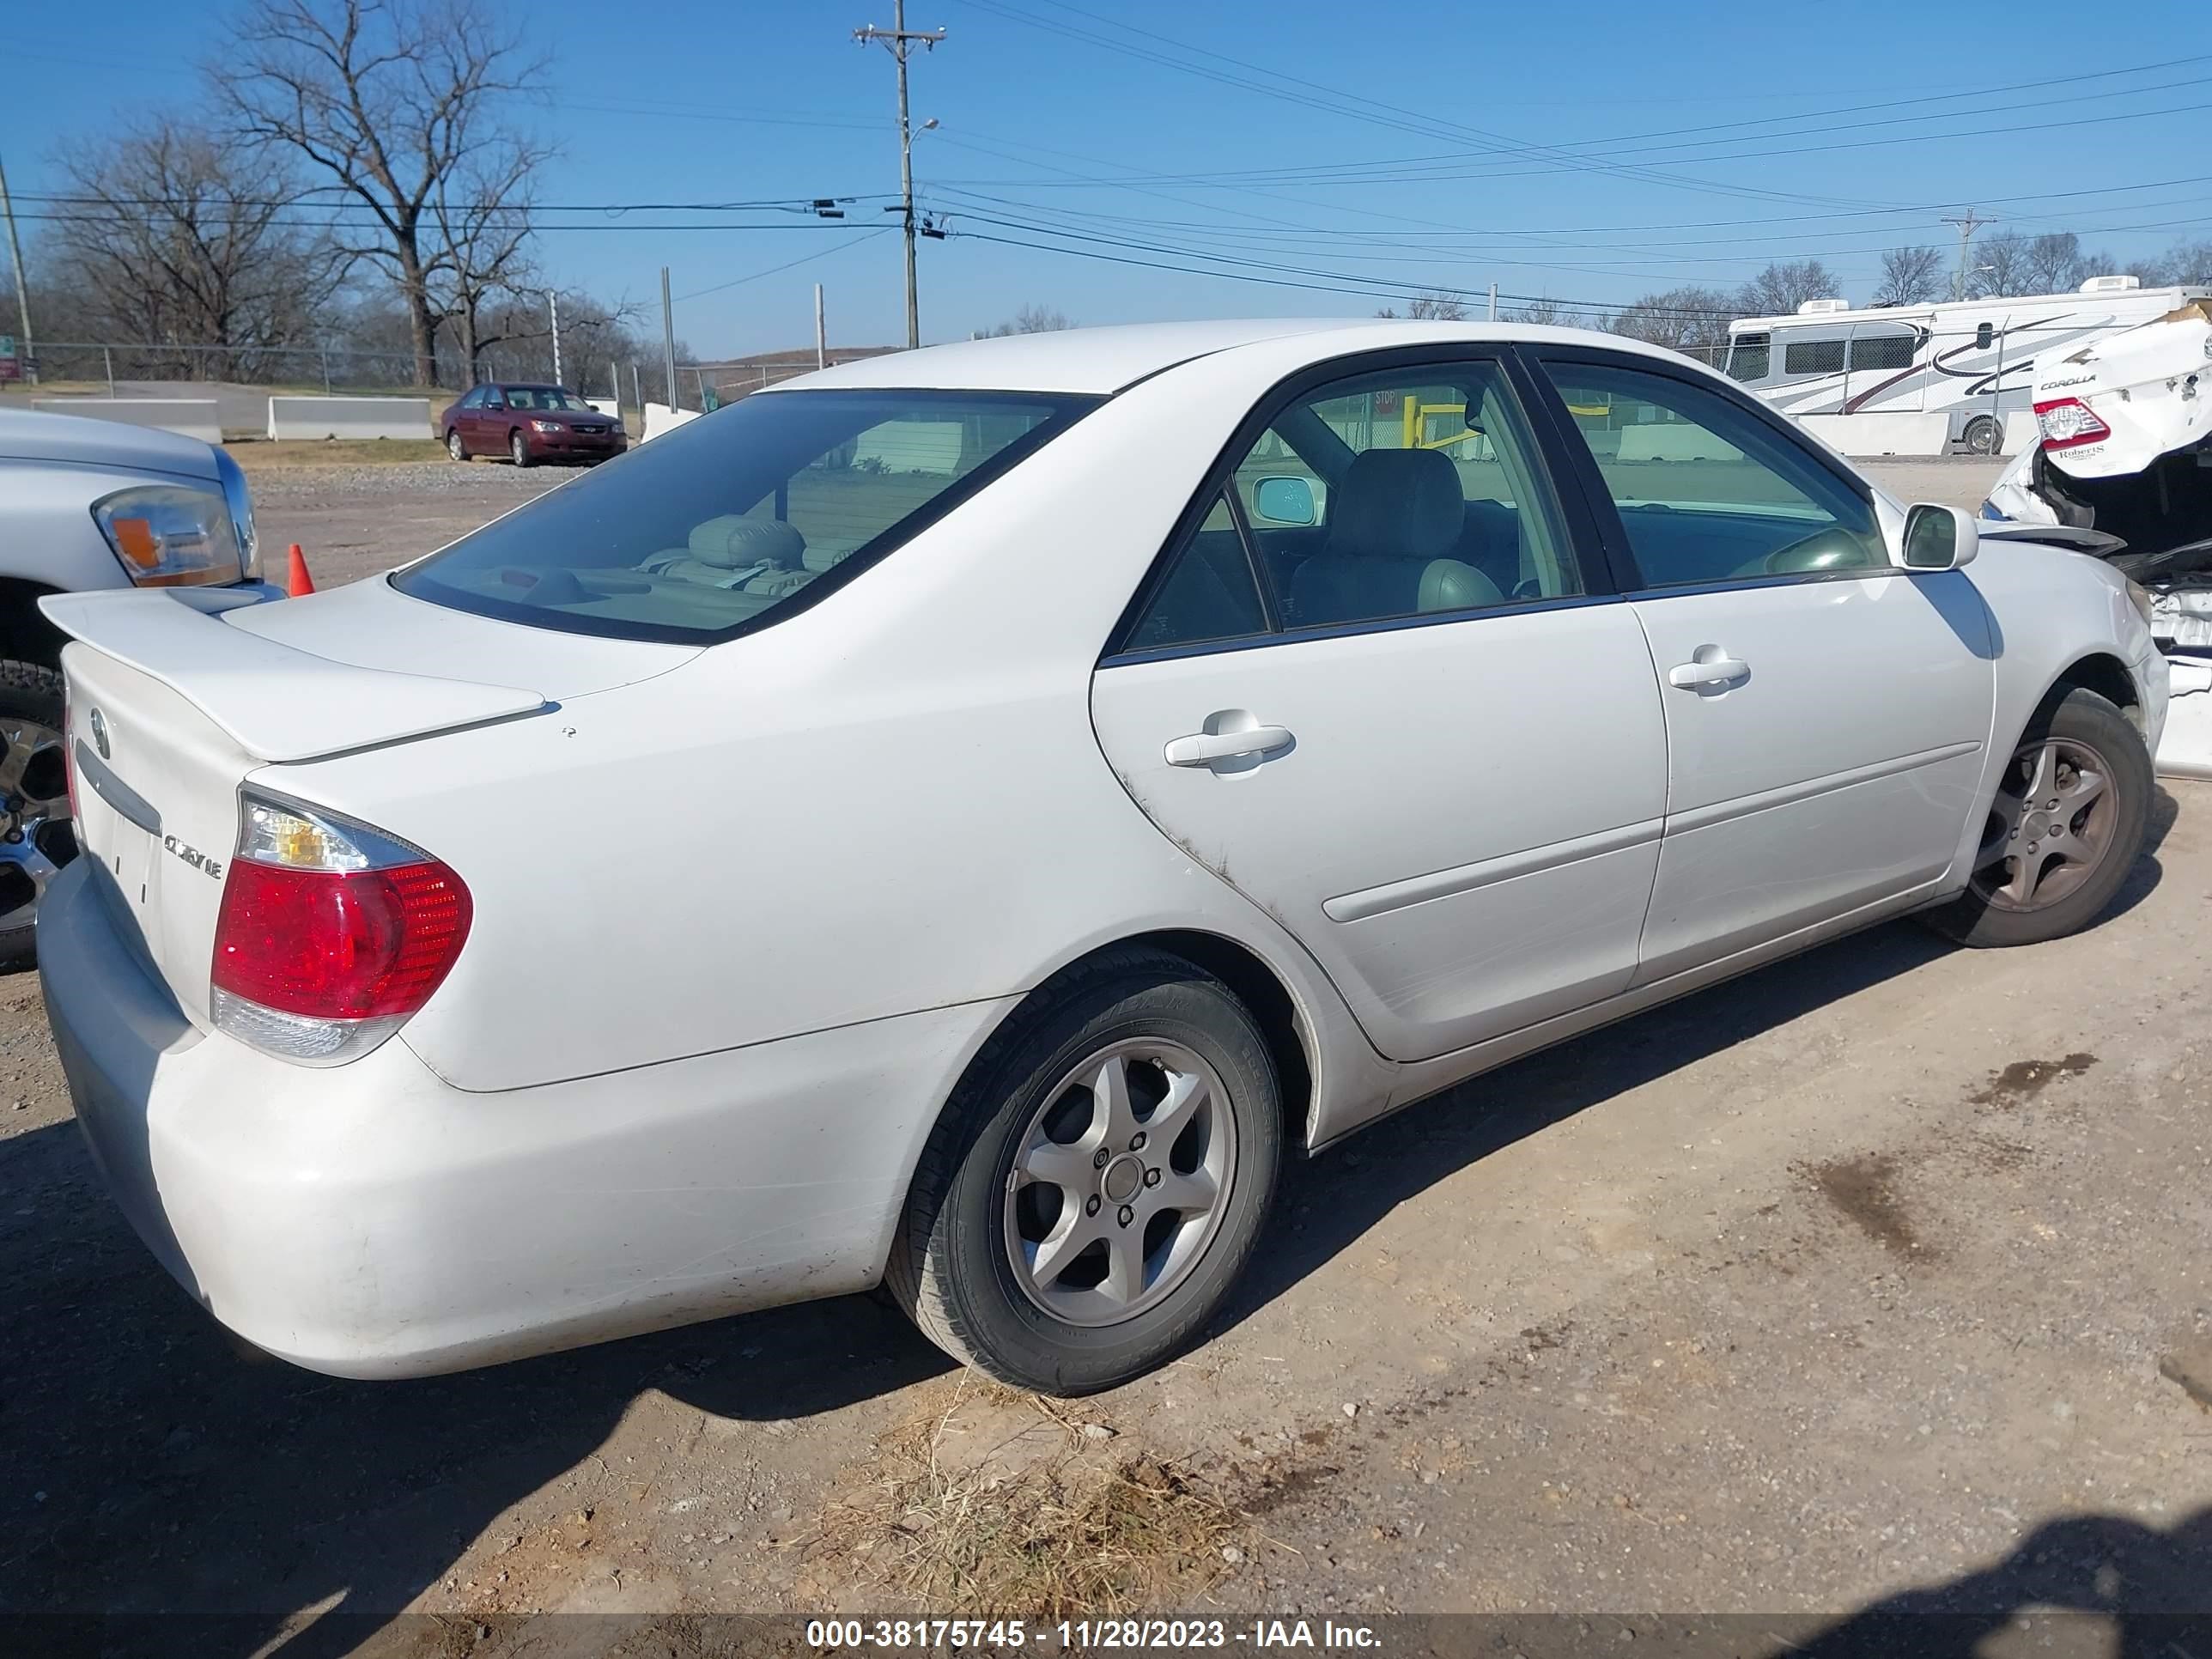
(1397, 504)
(733, 543)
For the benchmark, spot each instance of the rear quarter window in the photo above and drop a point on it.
(737, 519)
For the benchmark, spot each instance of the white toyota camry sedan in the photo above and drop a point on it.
(962, 819)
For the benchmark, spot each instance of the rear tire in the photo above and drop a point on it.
(36, 836)
(1984, 436)
(455, 448)
(519, 448)
(2083, 829)
(1032, 1158)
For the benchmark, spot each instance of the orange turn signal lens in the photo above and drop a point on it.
(136, 537)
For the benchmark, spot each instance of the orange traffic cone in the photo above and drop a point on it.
(297, 580)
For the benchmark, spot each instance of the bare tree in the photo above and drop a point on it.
(2054, 263)
(1546, 313)
(1693, 320)
(484, 222)
(2184, 265)
(1997, 267)
(1030, 319)
(1910, 276)
(178, 235)
(392, 100)
(1779, 289)
(1436, 308)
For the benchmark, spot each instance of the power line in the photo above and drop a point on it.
(1334, 101)
(754, 276)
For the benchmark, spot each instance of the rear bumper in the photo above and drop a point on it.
(373, 1221)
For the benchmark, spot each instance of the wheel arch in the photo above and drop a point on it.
(2102, 673)
(26, 636)
(1285, 1026)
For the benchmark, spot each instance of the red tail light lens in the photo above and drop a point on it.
(331, 933)
(2067, 423)
(360, 944)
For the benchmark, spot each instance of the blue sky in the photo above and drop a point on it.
(1590, 154)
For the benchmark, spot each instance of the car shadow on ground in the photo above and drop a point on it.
(148, 1466)
(1329, 1203)
(2149, 1590)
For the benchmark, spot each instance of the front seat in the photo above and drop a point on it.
(1393, 519)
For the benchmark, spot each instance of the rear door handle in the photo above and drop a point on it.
(1707, 671)
(1203, 749)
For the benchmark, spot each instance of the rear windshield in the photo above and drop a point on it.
(742, 517)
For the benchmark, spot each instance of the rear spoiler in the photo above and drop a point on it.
(276, 701)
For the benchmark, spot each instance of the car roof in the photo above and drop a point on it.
(1101, 361)
(31, 434)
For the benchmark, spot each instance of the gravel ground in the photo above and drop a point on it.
(1879, 1274)
(353, 522)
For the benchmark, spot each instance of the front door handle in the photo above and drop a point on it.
(1713, 669)
(1203, 749)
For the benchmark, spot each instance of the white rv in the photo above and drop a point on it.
(1929, 380)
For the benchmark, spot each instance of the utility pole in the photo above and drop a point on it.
(1493, 302)
(899, 41)
(553, 301)
(668, 337)
(821, 336)
(1968, 223)
(23, 292)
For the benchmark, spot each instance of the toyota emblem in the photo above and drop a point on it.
(100, 735)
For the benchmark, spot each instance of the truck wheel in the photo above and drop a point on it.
(1984, 436)
(36, 836)
(2066, 828)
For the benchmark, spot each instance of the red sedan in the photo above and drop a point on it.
(529, 425)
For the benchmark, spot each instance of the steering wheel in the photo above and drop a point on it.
(1832, 549)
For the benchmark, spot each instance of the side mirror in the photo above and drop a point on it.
(1939, 538)
(1284, 500)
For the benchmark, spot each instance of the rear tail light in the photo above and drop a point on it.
(2067, 423)
(331, 934)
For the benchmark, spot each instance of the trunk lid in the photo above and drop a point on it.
(177, 695)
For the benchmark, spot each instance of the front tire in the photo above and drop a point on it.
(1984, 436)
(1099, 1181)
(36, 836)
(519, 447)
(2068, 823)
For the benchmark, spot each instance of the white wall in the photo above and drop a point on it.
(350, 418)
(1911, 433)
(610, 407)
(660, 418)
(193, 418)
(1671, 440)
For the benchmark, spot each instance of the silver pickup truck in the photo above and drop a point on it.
(87, 504)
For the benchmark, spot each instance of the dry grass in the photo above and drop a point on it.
(1052, 1520)
(261, 455)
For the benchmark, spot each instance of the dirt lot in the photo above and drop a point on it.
(1881, 1273)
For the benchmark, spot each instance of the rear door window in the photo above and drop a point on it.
(731, 520)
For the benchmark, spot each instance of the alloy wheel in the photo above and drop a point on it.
(1119, 1182)
(2050, 828)
(36, 837)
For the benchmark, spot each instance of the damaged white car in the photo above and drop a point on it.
(2126, 464)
